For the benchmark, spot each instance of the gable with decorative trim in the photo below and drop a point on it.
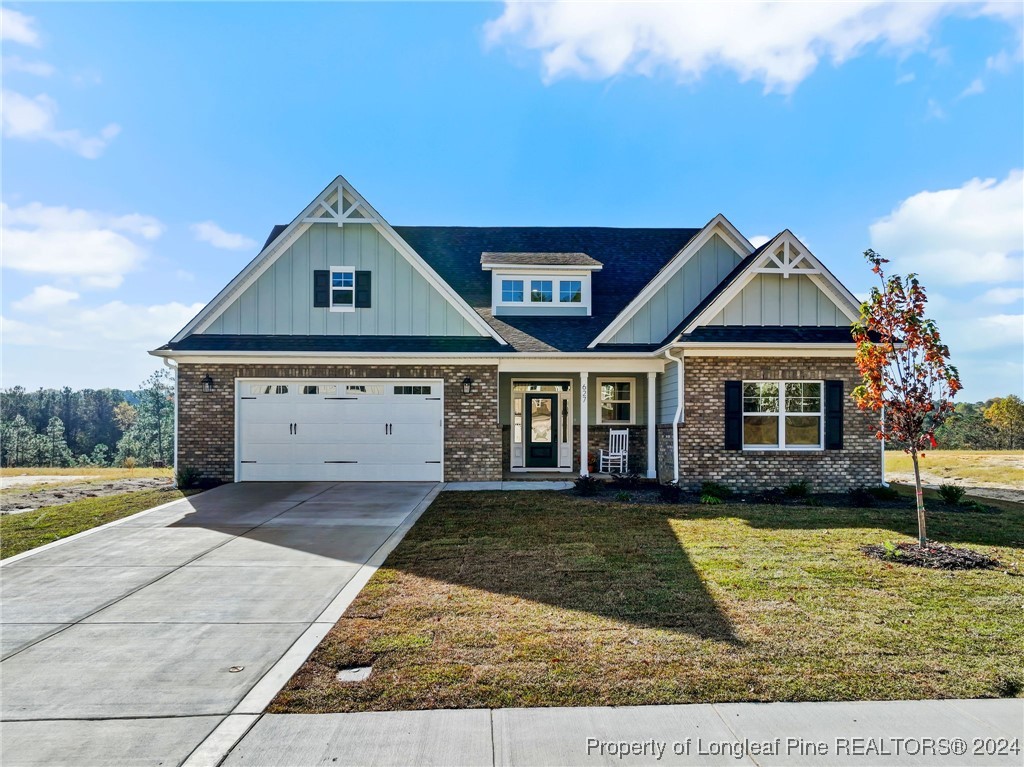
(770, 299)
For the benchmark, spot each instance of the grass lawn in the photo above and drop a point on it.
(97, 472)
(1002, 466)
(21, 532)
(545, 599)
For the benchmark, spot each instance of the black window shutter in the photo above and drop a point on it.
(833, 415)
(733, 415)
(362, 290)
(322, 287)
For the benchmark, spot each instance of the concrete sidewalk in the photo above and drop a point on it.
(893, 733)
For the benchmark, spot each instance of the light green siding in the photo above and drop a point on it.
(771, 299)
(668, 393)
(677, 297)
(280, 302)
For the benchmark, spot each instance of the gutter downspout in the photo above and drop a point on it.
(680, 416)
(174, 367)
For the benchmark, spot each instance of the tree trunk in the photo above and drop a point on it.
(922, 534)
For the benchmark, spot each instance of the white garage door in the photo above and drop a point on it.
(340, 430)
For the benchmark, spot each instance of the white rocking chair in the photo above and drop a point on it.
(616, 457)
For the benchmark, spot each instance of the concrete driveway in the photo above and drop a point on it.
(132, 644)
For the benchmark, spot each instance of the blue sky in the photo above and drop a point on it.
(149, 148)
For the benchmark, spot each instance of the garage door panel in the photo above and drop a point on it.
(375, 435)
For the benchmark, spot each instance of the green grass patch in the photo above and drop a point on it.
(546, 599)
(28, 530)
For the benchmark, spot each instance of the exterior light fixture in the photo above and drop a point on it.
(207, 383)
(467, 385)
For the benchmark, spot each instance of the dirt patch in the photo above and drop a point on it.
(1000, 491)
(14, 502)
(30, 480)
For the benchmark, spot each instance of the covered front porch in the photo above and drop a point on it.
(557, 418)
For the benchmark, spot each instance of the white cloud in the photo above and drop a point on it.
(759, 239)
(208, 231)
(976, 87)
(33, 119)
(778, 44)
(45, 297)
(1002, 62)
(95, 248)
(909, 77)
(18, 64)
(935, 111)
(999, 296)
(137, 327)
(18, 28)
(968, 234)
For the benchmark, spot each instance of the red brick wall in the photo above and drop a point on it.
(702, 453)
(206, 420)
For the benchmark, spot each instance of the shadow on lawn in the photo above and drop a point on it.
(629, 568)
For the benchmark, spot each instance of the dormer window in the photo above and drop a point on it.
(540, 283)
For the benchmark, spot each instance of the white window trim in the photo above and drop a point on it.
(558, 293)
(528, 277)
(501, 291)
(781, 415)
(632, 401)
(342, 269)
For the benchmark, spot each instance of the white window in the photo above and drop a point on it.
(541, 291)
(343, 289)
(615, 403)
(570, 291)
(782, 414)
(511, 291)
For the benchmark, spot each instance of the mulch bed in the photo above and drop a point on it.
(937, 556)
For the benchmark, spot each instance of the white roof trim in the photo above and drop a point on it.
(718, 225)
(366, 215)
(766, 263)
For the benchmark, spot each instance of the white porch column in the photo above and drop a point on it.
(652, 417)
(584, 422)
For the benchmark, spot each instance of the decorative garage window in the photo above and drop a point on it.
(511, 291)
(268, 389)
(320, 389)
(615, 405)
(782, 414)
(570, 291)
(541, 291)
(365, 389)
(343, 289)
(412, 390)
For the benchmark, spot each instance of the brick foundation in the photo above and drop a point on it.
(472, 436)
(702, 453)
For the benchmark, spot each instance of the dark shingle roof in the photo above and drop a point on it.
(776, 334)
(539, 259)
(383, 344)
(630, 259)
(274, 234)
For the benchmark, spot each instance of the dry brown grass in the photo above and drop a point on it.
(1003, 467)
(543, 599)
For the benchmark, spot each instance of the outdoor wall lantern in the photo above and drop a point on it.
(467, 385)
(207, 383)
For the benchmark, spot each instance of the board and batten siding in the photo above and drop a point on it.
(677, 297)
(280, 302)
(668, 392)
(770, 299)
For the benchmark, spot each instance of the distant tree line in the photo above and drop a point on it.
(996, 424)
(89, 427)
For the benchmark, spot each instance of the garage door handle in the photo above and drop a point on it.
(341, 461)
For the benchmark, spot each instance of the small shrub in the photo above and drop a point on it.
(586, 485)
(710, 500)
(860, 497)
(623, 497)
(883, 493)
(631, 480)
(773, 496)
(670, 492)
(951, 495)
(973, 505)
(891, 550)
(130, 464)
(718, 490)
(1008, 687)
(186, 477)
(798, 488)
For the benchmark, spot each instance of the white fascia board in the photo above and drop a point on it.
(297, 227)
(753, 349)
(718, 225)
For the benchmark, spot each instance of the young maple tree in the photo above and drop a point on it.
(905, 367)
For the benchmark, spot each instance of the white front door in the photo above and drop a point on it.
(340, 430)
